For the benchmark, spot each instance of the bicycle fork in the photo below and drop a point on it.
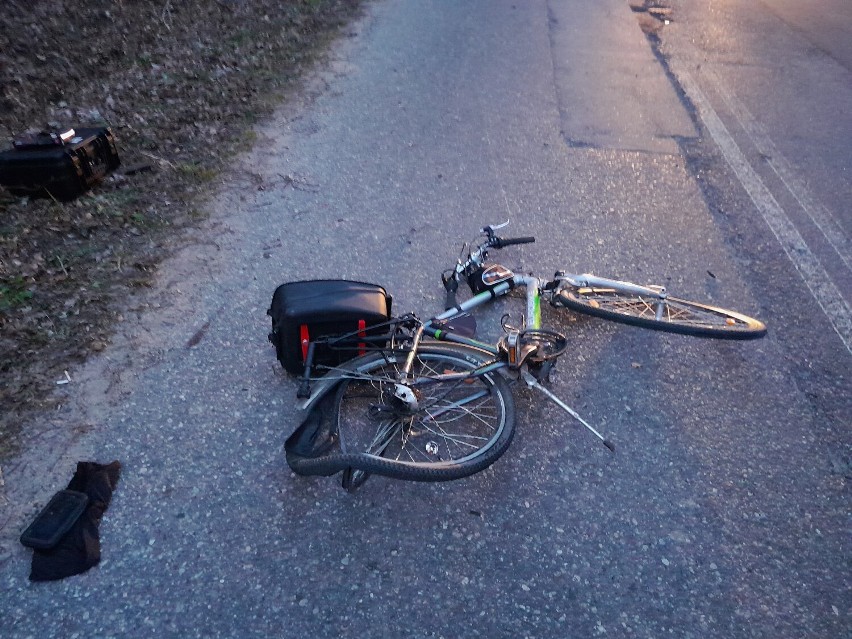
(654, 292)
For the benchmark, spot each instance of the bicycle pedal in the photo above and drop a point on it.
(542, 371)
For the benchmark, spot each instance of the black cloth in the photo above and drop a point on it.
(80, 548)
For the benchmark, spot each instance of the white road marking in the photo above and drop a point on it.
(806, 262)
(820, 216)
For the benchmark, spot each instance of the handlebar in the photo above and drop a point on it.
(499, 243)
(475, 259)
(478, 255)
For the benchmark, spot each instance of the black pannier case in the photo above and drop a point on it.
(44, 165)
(303, 312)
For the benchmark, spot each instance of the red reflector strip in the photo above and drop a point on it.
(362, 332)
(304, 340)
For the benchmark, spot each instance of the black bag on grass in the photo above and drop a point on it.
(59, 165)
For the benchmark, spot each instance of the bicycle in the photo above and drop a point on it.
(429, 402)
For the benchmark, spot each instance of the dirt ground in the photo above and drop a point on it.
(180, 84)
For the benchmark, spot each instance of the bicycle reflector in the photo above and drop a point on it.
(512, 341)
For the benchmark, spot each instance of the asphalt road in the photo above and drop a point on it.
(724, 511)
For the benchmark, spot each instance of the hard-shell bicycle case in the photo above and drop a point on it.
(61, 170)
(303, 312)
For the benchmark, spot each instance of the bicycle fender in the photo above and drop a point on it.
(314, 439)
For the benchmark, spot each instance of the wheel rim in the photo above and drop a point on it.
(455, 421)
(675, 311)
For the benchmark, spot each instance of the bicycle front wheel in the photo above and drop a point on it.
(458, 427)
(671, 314)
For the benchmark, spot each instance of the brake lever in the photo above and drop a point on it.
(489, 230)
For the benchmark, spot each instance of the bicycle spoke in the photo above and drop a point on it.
(671, 314)
(383, 437)
(640, 307)
(461, 414)
(451, 423)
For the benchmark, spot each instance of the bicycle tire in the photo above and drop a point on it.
(680, 316)
(459, 428)
(417, 446)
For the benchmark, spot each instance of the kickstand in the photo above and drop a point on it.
(534, 383)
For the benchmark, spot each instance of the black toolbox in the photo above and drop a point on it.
(304, 312)
(61, 165)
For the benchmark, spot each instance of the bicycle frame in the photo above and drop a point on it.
(532, 286)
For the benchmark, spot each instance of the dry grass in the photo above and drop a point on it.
(181, 84)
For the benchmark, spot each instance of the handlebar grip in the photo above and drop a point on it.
(513, 240)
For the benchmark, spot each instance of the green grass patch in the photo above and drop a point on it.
(197, 172)
(14, 293)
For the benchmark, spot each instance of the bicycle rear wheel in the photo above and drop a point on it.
(675, 316)
(457, 429)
